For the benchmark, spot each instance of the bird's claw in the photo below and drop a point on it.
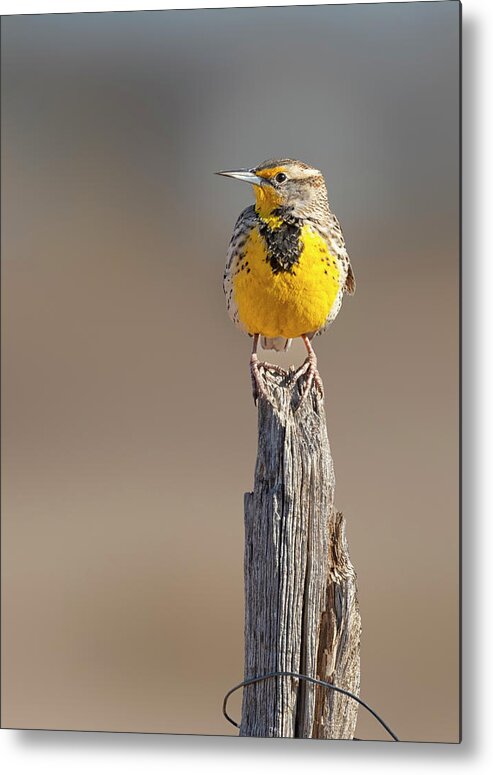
(258, 384)
(310, 371)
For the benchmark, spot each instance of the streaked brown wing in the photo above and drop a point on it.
(350, 284)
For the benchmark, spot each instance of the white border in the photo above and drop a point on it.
(51, 6)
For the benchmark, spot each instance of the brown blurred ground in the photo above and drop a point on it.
(129, 433)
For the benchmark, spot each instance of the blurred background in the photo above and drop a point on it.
(128, 428)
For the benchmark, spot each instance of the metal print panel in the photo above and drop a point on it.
(139, 585)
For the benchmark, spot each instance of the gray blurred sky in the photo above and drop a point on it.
(366, 92)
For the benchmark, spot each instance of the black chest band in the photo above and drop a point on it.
(283, 244)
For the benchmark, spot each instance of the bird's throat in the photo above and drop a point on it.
(267, 200)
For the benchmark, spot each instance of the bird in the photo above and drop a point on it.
(287, 267)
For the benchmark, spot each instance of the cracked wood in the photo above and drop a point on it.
(301, 607)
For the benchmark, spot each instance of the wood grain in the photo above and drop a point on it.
(301, 608)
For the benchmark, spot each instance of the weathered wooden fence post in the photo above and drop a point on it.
(301, 608)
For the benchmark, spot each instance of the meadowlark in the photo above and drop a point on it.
(287, 267)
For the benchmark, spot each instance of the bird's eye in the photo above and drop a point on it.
(281, 177)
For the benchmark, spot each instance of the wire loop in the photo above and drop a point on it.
(287, 674)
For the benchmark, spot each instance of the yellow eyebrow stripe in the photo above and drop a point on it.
(270, 172)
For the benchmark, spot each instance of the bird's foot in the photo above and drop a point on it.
(258, 384)
(310, 371)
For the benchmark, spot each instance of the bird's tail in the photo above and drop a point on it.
(277, 343)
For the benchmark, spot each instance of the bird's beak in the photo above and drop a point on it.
(247, 175)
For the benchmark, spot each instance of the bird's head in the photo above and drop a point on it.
(285, 183)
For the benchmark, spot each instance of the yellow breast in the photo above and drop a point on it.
(286, 303)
